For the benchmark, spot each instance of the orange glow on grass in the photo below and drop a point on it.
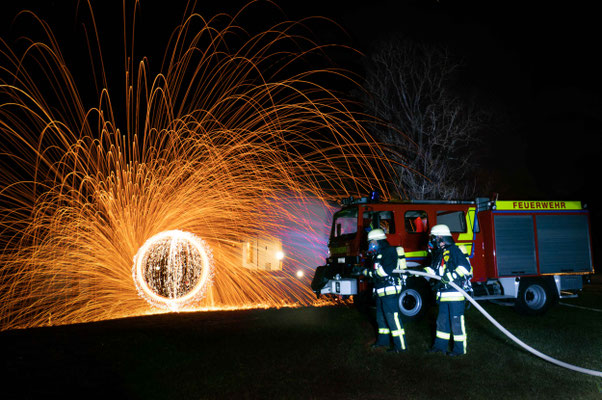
(207, 145)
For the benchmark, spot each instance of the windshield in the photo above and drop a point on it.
(344, 222)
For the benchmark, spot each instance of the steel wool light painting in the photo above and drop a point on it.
(135, 199)
(173, 269)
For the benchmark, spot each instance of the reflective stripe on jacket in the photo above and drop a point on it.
(451, 263)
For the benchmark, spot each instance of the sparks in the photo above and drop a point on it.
(173, 269)
(217, 143)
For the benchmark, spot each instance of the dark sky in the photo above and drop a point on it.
(534, 66)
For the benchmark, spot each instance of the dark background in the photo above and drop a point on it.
(534, 66)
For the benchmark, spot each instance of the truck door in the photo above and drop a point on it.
(380, 219)
(416, 233)
(462, 225)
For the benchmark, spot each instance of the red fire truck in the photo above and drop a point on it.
(528, 252)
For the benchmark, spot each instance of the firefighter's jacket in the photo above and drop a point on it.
(386, 282)
(451, 263)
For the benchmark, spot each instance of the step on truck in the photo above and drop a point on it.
(530, 253)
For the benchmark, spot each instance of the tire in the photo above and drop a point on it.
(415, 299)
(535, 296)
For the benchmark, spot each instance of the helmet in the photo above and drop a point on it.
(376, 234)
(440, 230)
(440, 236)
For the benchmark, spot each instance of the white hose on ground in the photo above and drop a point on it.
(580, 307)
(504, 330)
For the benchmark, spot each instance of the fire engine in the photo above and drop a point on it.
(530, 253)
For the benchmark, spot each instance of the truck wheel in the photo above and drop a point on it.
(535, 296)
(414, 299)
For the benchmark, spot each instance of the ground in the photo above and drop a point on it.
(304, 353)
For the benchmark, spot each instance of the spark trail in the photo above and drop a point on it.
(213, 144)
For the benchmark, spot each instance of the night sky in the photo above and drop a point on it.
(535, 67)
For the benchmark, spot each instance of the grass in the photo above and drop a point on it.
(308, 353)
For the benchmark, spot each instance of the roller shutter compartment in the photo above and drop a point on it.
(515, 245)
(563, 243)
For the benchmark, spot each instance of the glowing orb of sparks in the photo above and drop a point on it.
(300, 274)
(173, 269)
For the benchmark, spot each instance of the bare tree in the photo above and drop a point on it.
(428, 131)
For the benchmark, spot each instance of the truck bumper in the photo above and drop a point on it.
(342, 286)
(568, 285)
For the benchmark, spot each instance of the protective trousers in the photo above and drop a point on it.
(388, 322)
(450, 320)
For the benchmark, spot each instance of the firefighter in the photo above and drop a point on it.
(387, 287)
(452, 265)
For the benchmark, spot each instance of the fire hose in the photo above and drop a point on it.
(504, 330)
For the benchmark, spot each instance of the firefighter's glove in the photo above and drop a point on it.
(444, 280)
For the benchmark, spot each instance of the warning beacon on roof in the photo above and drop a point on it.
(538, 205)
